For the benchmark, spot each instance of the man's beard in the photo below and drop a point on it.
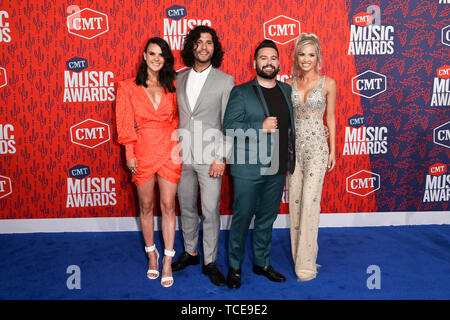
(208, 59)
(269, 76)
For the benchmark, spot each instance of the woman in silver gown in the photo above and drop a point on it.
(312, 95)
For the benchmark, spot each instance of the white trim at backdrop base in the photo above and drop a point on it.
(370, 219)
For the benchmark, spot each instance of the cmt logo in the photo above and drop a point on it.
(363, 183)
(441, 135)
(87, 23)
(443, 72)
(441, 87)
(176, 12)
(79, 171)
(77, 64)
(90, 133)
(281, 29)
(5, 186)
(445, 37)
(437, 169)
(362, 19)
(3, 80)
(369, 84)
(356, 121)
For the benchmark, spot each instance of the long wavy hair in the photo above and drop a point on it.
(166, 75)
(187, 53)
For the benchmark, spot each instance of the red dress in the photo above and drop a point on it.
(155, 145)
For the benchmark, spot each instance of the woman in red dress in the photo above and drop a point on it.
(148, 102)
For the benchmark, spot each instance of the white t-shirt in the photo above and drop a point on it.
(194, 85)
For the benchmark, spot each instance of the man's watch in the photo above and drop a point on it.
(222, 159)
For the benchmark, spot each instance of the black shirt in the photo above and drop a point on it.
(279, 108)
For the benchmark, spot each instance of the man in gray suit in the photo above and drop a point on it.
(202, 95)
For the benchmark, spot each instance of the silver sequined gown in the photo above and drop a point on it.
(305, 184)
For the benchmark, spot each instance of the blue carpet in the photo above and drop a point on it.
(414, 263)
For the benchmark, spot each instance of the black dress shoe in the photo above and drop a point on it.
(269, 272)
(214, 274)
(185, 260)
(234, 278)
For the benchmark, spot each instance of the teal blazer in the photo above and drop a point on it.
(243, 119)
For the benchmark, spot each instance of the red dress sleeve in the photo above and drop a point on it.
(125, 120)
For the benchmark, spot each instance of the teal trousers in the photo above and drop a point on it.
(260, 197)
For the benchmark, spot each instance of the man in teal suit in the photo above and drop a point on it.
(259, 117)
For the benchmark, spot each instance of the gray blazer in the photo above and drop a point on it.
(200, 131)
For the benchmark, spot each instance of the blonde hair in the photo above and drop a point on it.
(302, 40)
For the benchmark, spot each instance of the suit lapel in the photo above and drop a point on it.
(209, 84)
(261, 95)
(184, 99)
(288, 101)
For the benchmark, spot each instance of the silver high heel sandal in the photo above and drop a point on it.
(167, 253)
(153, 274)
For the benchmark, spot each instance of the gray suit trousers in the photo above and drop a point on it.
(192, 176)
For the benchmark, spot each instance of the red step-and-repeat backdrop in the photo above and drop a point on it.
(60, 63)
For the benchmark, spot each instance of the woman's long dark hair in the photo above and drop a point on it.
(166, 75)
(187, 53)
